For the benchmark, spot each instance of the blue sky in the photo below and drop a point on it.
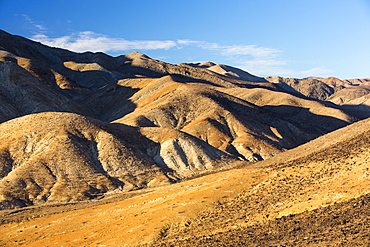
(289, 38)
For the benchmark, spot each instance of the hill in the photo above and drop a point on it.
(330, 89)
(63, 157)
(315, 194)
(180, 121)
(350, 94)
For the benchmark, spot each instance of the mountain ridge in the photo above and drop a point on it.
(132, 151)
(193, 118)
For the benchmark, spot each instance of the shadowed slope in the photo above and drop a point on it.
(348, 94)
(21, 93)
(312, 88)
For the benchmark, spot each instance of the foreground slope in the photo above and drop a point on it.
(315, 194)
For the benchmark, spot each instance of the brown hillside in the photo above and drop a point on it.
(187, 119)
(230, 118)
(317, 198)
(22, 93)
(313, 88)
(348, 94)
(61, 157)
(313, 195)
(124, 151)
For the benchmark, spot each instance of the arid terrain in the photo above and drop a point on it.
(127, 151)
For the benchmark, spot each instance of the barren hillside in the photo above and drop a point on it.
(317, 196)
(331, 88)
(62, 157)
(188, 119)
(313, 195)
(131, 150)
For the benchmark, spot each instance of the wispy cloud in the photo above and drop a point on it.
(253, 58)
(90, 41)
(243, 50)
(234, 50)
(264, 67)
(33, 23)
(317, 71)
(258, 60)
(183, 42)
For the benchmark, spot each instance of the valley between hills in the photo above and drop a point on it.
(130, 151)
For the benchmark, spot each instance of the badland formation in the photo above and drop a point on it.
(128, 150)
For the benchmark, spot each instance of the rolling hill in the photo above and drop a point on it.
(194, 118)
(130, 150)
(315, 194)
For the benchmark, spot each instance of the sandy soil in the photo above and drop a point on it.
(133, 221)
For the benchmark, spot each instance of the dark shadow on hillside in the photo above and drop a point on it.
(111, 102)
(307, 120)
(359, 111)
(91, 79)
(149, 149)
(296, 124)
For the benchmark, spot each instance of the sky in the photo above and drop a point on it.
(288, 38)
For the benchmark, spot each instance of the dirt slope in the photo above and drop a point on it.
(249, 123)
(313, 195)
(331, 88)
(131, 122)
(61, 157)
(316, 199)
(313, 88)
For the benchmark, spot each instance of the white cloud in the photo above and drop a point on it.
(90, 41)
(258, 60)
(317, 71)
(244, 50)
(33, 23)
(234, 50)
(188, 42)
(252, 58)
(265, 67)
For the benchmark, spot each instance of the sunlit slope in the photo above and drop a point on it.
(315, 194)
(249, 123)
(271, 201)
(62, 157)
